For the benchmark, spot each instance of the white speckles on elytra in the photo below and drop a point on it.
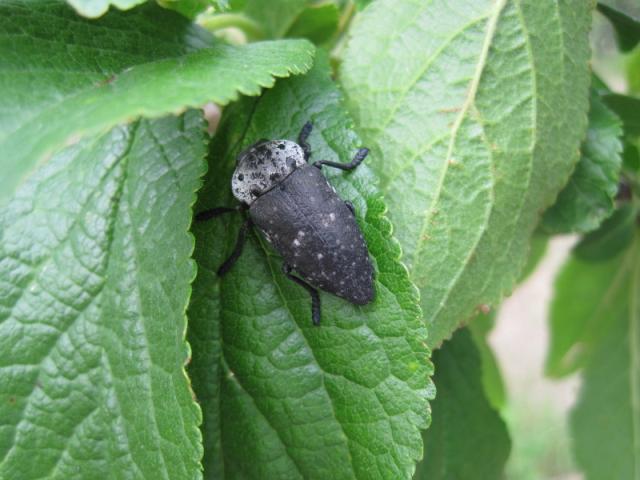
(319, 238)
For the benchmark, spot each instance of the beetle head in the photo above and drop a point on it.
(262, 166)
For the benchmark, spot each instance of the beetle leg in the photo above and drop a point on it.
(350, 207)
(357, 160)
(214, 212)
(315, 297)
(237, 250)
(302, 139)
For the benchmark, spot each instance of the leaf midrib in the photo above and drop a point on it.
(429, 61)
(469, 102)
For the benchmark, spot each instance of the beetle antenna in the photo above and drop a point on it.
(357, 160)
(215, 212)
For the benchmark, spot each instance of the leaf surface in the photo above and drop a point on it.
(275, 16)
(606, 420)
(492, 380)
(588, 198)
(346, 399)
(147, 62)
(467, 437)
(188, 8)
(95, 275)
(465, 133)
(318, 22)
(627, 28)
(590, 293)
(627, 108)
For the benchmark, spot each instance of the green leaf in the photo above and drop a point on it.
(492, 381)
(275, 16)
(465, 135)
(627, 28)
(467, 438)
(632, 71)
(631, 157)
(627, 109)
(613, 236)
(188, 8)
(148, 62)
(318, 23)
(606, 421)
(95, 275)
(590, 293)
(360, 4)
(537, 250)
(343, 400)
(589, 196)
(482, 325)
(598, 85)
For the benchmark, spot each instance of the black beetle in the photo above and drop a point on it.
(301, 215)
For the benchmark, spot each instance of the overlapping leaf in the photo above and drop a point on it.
(606, 421)
(595, 320)
(627, 108)
(469, 107)
(95, 275)
(627, 28)
(588, 198)
(590, 293)
(343, 400)
(145, 62)
(467, 438)
(188, 8)
(494, 388)
(276, 17)
(318, 22)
